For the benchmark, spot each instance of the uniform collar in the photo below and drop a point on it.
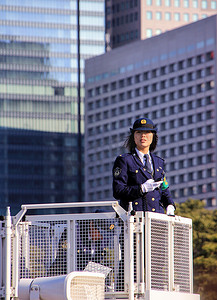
(141, 155)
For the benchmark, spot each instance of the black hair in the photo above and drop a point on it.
(130, 143)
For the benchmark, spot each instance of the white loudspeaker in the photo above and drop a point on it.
(74, 286)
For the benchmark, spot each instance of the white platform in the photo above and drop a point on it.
(156, 295)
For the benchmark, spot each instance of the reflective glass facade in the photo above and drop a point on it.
(42, 96)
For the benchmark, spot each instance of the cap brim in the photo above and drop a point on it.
(144, 129)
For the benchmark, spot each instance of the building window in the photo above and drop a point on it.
(186, 3)
(59, 91)
(168, 2)
(167, 16)
(158, 31)
(195, 3)
(186, 17)
(158, 15)
(149, 15)
(204, 4)
(177, 16)
(149, 2)
(148, 32)
(158, 2)
(177, 3)
(195, 17)
(213, 5)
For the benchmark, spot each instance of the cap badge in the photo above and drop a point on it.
(143, 121)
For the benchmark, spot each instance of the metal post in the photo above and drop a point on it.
(131, 257)
(171, 255)
(80, 163)
(147, 252)
(140, 252)
(1, 255)
(8, 254)
(15, 270)
(191, 257)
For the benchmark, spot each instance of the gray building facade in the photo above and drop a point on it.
(170, 78)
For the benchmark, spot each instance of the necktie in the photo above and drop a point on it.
(147, 164)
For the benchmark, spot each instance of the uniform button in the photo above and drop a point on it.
(152, 199)
(153, 209)
(136, 203)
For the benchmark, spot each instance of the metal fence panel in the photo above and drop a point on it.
(159, 255)
(182, 257)
(168, 253)
(48, 247)
(51, 245)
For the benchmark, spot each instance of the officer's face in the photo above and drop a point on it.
(143, 140)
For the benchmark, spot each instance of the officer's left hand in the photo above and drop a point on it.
(170, 210)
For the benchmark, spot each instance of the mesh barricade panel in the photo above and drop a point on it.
(87, 288)
(59, 244)
(98, 244)
(42, 249)
(159, 255)
(98, 249)
(181, 257)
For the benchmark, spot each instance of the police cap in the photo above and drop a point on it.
(144, 124)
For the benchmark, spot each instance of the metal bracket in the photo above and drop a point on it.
(120, 211)
(139, 287)
(2, 232)
(34, 292)
(138, 227)
(18, 217)
(2, 292)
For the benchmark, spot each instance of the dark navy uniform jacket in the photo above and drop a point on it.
(128, 175)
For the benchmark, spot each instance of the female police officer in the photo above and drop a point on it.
(139, 176)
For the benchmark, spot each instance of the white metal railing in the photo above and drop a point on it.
(136, 254)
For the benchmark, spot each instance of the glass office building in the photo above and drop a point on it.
(171, 80)
(43, 46)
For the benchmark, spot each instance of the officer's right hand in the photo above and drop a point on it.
(150, 185)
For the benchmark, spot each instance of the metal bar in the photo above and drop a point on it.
(171, 256)
(8, 255)
(131, 258)
(15, 270)
(64, 205)
(19, 215)
(1, 255)
(140, 264)
(80, 151)
(73, 245)
(191, 257)
(147, 252)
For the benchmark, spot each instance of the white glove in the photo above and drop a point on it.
(170, 210)
(150, 185)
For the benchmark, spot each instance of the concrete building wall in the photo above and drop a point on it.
(127, 21)
(170, 78)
